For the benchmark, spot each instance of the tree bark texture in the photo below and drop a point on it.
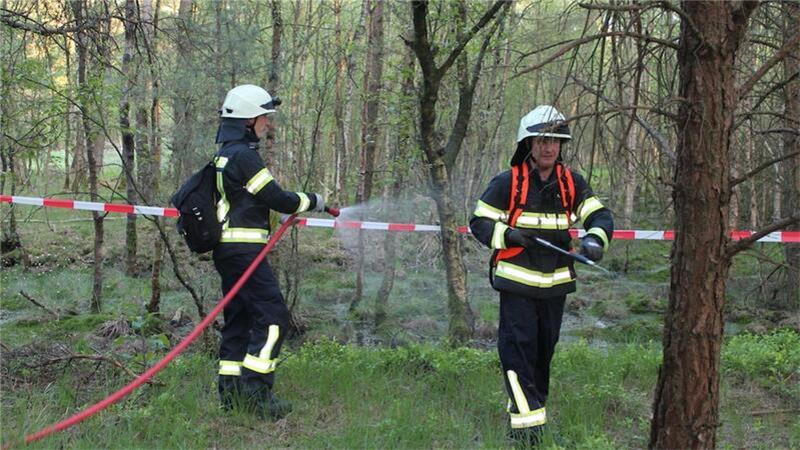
(791, 143)
(686, 408)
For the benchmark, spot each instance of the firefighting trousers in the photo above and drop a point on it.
(256, 321)
(527, 337)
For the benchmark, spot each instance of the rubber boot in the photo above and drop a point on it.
(264, 403)
(229, 388)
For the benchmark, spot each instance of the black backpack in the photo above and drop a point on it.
(196, 201)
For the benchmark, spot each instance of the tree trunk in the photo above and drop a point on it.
(274, 80)
(441, 159)
(686, 407)
(93, 143)
(151, 156)
(68, 115)
(373, 75)
(791, 167)
(78, 165)
(276, 49)
(128, 75)
(182, 130)
(10, 236)
(340, 148)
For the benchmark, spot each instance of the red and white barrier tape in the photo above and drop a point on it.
(90, 206)
(649, 235)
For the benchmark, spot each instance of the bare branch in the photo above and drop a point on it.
(101, 358)
(761, 167)
(466, 94)
(736, 247)
(8, 17)
(578, 42)
(779, 55)
(487, 16)
(663, 4)
(40, 305)
(779, 130)
(769, 92)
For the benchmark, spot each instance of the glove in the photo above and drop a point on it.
(320, 205)
(520, 238)
(592, 248)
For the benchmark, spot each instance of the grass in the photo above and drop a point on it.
(409, 393)
(418, 396)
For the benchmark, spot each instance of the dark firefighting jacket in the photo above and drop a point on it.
(537, 272)
(248, 192)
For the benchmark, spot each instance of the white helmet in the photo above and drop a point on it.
(247, 101)
(543, 121)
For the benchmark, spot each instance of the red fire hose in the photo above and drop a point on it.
(141, 379)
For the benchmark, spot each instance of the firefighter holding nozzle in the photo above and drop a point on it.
(256, 320)
(538, 198)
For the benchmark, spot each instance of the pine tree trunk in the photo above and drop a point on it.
(686, 408)
(791, 167)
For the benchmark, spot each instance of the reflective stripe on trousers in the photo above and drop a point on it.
(233, 368)
(263, 362)
(525, 418)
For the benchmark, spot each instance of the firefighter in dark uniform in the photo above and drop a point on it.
(539, 197)
(257, 319)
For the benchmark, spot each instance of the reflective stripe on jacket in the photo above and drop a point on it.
(537, 271)
(248, 193)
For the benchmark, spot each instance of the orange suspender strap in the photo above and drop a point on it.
(517, 197)
(519, 194)
(567, 187)
(513, 196)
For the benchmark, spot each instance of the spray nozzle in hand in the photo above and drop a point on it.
(332, 211)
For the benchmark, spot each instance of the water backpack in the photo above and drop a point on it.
(196, 202)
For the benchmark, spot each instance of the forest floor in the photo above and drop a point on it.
(356, 385)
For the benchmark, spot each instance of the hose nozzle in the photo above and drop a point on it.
(332, 211)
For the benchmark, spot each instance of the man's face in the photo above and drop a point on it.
(264, 127)
(545, 151)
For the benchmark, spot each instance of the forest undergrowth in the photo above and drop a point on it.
(355, 384)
